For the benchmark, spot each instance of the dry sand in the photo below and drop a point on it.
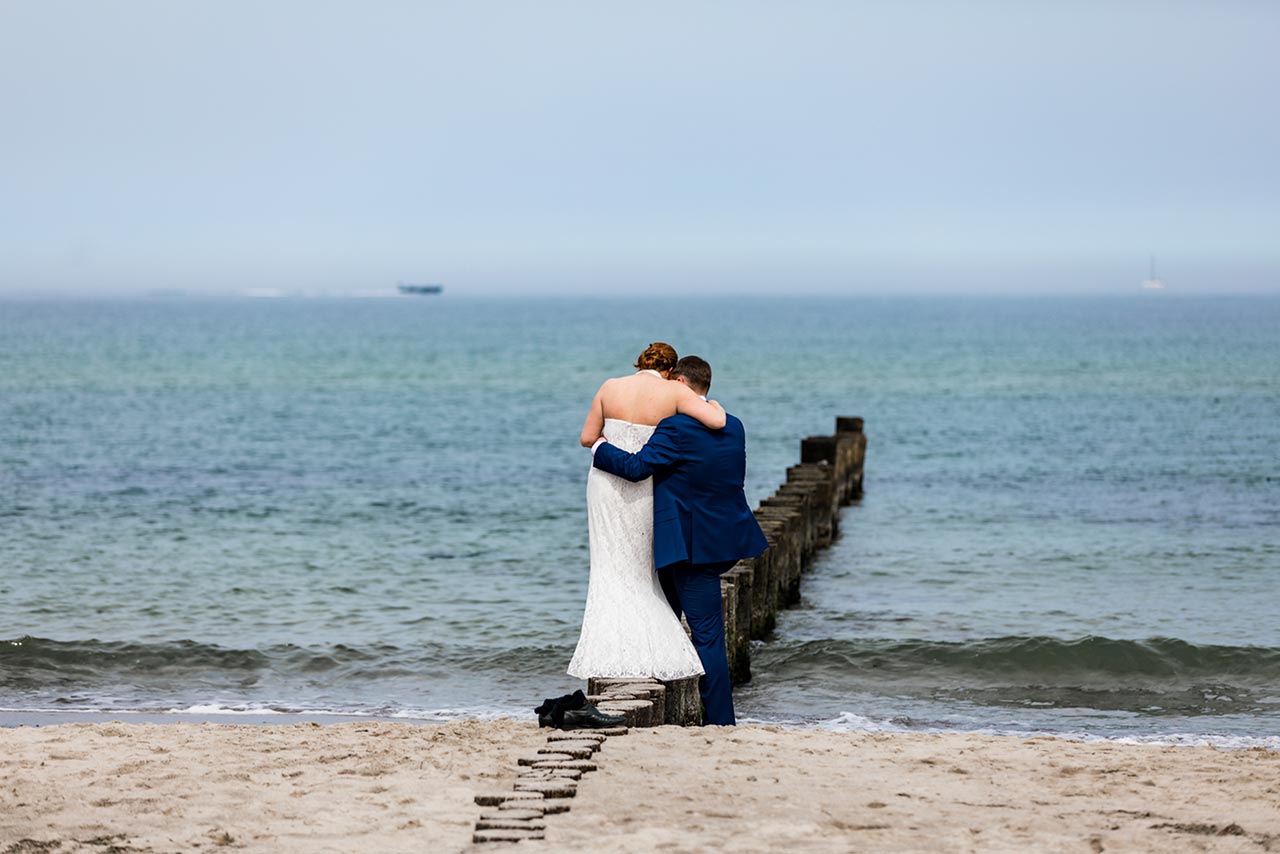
(761, 789)
(371, 788)
(378, 788)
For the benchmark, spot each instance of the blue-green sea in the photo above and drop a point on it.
(376, 506)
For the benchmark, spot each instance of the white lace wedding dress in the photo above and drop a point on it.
(628, 629)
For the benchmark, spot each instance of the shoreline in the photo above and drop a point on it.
(17, 718)
(399, 786)
(11, 719)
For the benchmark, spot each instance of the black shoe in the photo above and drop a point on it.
(589, 717)
(551, 712)
(572, 711)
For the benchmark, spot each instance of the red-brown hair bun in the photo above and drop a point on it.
(658, 357)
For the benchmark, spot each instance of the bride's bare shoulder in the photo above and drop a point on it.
(614, 383)
(612, 387)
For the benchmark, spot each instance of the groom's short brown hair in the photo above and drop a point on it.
(696, 371)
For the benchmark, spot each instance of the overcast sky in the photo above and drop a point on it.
(548, 147)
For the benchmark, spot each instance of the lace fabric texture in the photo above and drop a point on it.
(628, 629)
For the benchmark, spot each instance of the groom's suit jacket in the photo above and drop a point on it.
(700, 513)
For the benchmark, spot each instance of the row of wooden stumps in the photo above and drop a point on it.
(800, 518)
(548, 779)
(546, 784)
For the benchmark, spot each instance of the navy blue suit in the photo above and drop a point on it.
(702, 526)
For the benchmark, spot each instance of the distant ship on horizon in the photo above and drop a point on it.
(1152, 282)
(407, 288)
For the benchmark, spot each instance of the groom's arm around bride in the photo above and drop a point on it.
(702, 524)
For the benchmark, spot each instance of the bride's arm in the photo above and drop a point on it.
(593, 427)
(710, 414)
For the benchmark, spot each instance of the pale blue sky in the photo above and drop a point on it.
(563, 147)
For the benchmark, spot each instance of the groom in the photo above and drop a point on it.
(702, 524)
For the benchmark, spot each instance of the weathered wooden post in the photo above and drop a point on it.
(684, 703)
(805, 496)
(822, 476)
(738, 630)
(728, 609)
(817, 504)
(767, 585)
(759, 598)
(788, 542)
(824, 449)
(775, 531)
(852, 426)
(799, 504)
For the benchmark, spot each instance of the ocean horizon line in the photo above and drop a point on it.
(300, 295)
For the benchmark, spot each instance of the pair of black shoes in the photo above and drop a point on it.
(572, 711)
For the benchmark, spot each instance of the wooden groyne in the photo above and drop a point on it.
(800, 518)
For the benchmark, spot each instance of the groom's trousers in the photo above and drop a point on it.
(694, 590)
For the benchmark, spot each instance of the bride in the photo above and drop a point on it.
(628, 629)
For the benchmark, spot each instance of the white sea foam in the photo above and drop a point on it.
(213, 709)
(850, 722)
(845, 722)
(200, 710)
(411, 714)
(463, 714)
(59, 711)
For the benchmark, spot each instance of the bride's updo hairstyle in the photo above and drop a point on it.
(659, 357)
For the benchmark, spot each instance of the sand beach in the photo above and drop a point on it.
(392, 787)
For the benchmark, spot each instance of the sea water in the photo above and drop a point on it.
(376, 506)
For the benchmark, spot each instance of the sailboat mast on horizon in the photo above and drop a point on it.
(1152, 282)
